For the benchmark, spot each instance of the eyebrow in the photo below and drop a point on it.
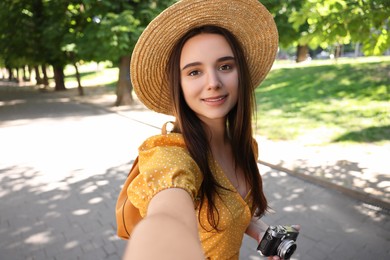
(193, 64)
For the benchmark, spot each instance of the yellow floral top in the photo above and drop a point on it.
(164, 162)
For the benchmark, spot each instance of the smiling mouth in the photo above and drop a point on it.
(214, 99)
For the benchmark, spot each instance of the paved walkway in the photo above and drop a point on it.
(62, 162)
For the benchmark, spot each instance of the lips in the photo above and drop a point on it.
(215, 99)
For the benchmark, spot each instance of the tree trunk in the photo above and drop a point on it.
(357, 45)
(59, 78)
(29, 68)
(302, 53)
(17, 79)
(124, 88)
(10, 73)
(45, 78)
(38, 77)
(337, 51)
(79, 87)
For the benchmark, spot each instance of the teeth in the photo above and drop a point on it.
(214, 99)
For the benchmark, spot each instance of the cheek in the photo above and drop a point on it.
(187, 93)
(189, 88)
(232, 83)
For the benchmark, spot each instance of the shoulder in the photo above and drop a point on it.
(166, 150)
(164, 162)
(166, 140)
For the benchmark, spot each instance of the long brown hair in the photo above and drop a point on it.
(238, 124)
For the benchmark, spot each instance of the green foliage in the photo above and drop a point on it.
(55, 27)
(109, 37)
(60, 32)
(32, 32)
(282, 11)
(345, 101)
(344, 21)
(13, 47)
(113, 27)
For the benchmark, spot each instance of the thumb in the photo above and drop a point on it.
(296, 227)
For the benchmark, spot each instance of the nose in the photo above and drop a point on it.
(213, 80)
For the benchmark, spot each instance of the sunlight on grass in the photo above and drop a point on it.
(291, 64)
(92, 75)
(325, 101)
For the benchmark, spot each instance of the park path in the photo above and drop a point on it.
(62, 162)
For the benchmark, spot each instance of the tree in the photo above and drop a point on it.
(41, 27)
(13, 49)
(111, 33)
(337, 22)
(65, 32)
(55, 28)
(289, 34)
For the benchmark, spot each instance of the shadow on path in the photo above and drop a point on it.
(66, 219)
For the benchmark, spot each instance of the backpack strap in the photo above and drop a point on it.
(127, 215)
(170, 125)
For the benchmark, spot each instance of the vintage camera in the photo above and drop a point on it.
(279, 240)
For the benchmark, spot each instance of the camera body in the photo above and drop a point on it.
(279, 240)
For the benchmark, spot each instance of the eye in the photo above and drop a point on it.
(194, 73)
(225, 67)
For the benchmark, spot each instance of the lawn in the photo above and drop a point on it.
(92, 75)
(325, 102)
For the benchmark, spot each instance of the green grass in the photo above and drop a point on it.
(91, 76)
(326, 102)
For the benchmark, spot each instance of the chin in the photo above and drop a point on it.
(219, 116)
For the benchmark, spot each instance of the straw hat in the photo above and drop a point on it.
(248, 20)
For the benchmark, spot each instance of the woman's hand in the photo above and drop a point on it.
(296, 227)
(257, 229)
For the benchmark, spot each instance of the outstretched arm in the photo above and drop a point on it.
(169, 231)
(256, 229)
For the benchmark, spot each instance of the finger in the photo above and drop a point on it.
(296, 227)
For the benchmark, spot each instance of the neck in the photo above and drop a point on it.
(217, 135)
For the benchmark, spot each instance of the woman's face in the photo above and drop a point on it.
(209, 76)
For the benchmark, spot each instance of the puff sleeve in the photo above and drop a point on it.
(164, 162)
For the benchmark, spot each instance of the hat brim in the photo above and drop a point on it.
(248, 20)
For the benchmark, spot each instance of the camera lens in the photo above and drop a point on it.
(286, 249)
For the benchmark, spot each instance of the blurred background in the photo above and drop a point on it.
(323, 115)
(61, 41)
(331, 76)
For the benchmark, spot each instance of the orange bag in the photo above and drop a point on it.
(127, 216)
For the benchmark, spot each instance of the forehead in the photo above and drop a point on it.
(205, 45)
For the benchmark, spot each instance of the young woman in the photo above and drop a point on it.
(199, 188)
